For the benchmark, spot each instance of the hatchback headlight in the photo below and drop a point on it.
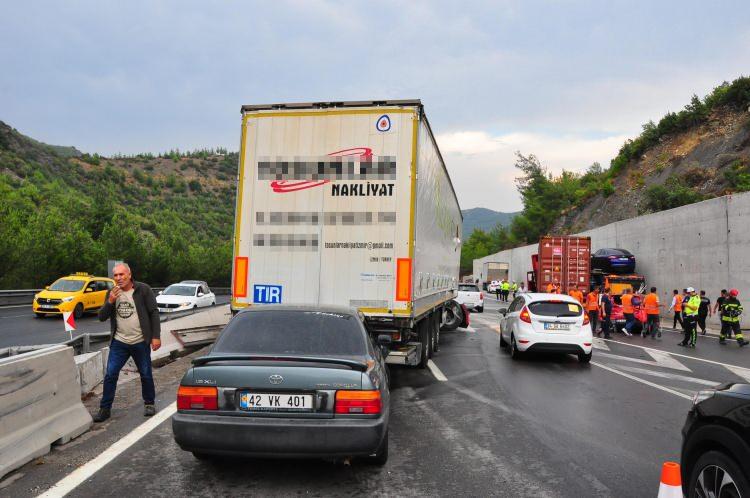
(68, 299)
(702, 396)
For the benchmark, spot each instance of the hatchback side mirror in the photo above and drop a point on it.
(200, 294)
(384, 340)
(161, 292)
(503, 311)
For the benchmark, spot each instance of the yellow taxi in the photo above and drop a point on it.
(79, 292)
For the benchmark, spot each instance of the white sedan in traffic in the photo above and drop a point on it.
(185, 296)
(546, 323)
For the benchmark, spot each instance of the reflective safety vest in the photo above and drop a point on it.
(514, 288)
(592, 301)
(692, 305)
(576, 294)
(506, 286)
(627, 306)
(677, 303)
(731, 310)
(651, 304)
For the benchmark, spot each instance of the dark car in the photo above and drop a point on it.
(288, 381)
(716, 443)
(610, 260)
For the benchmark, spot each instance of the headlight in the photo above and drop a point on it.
(702, 395)
(68, 299)
(185, 304)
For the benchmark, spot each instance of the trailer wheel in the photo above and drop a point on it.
(435, 325)
(424, 338)
(454, 316)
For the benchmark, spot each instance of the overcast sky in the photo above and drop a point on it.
(568, 81)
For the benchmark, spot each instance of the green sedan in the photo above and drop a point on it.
(288, 381)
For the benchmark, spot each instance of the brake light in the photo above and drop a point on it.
(525, 316)
(197, 398)
(359, 402)
(585, 318)
(481, 296)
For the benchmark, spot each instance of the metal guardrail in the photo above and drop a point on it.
(26, 296)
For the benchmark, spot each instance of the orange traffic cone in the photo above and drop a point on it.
(671, 483)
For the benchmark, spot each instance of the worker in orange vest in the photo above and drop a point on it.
(576, 294)
(592, 308)
(651, 305)
(550, 288)
(627, 310)
(676, 306)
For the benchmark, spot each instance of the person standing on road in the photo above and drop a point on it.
(691, 319)
(592, 308)
(498, 290)
(606, 313)
(676, 306)
(704, 311)
(730, 318)
(720, 302)
(627, 310)
(514, 289)
(135, 331)
(651, 306)
(506, 290)
(576, 294)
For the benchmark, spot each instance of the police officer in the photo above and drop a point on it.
(506, 289)
(690, 309)
(730, 318)
(514, 288)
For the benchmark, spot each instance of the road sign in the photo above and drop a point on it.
(70, 323)
(267, 294)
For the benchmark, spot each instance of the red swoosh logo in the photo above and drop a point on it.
(284, 186)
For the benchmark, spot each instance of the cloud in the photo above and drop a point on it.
(482, 165)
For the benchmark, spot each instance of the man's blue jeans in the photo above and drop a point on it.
(119, 352)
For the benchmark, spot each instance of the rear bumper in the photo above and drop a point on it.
(547, 342)
(551, 347)
(278, 437)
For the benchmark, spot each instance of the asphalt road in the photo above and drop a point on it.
(19, 327)
(541, 426)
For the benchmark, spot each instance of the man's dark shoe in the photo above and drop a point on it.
(743, 343)
(722, 341)
(149, 411)
(681, 344)
(103, 415)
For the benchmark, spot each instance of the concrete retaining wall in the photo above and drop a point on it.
(704, 245)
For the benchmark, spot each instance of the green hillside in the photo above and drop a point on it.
(484, 219)
(62, 211)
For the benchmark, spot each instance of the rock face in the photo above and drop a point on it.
(699, 158)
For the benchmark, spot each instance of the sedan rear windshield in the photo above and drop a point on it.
(468, 288)
(65, 285)
(310, 333)
(619, 252)
(555, 308)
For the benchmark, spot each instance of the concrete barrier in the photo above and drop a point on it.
(40, 404)
(703, 245)
(89, 371)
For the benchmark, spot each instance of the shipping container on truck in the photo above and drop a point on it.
(493, 270)
(562, 260)
(348, 203)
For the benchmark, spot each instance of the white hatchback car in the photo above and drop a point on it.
(186, 295)
(546, 323)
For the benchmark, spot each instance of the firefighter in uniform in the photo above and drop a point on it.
(731, 309)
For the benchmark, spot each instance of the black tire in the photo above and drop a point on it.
(40, 315)
(503, 342)
(380, 458)
(480, 309)
(202, 456)
(78, 311)
(514, 352)
(213, 304)
(435, 325)
(713, 462)
(584, 358)
(424, 338)
(453, 316)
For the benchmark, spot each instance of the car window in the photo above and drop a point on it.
(109, 284)
(311, 333)
(468, 288)
(555, 308)
(91, 285)
(66, 285)
(516, 305)
(180, 290)
(101, 285)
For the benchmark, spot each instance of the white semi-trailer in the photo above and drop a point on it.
(348, 203)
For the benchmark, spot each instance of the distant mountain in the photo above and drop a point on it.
(485, 219)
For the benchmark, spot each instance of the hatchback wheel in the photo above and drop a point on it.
(503, 342)
(480, 309)
(584, 358)
(78, 311)
(717, 475)
(514, 352)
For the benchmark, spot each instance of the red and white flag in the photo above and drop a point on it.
(69, 320)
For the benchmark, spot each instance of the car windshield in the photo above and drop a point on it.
(66, 285)
(555, 308)
(309, 333)
(468, 288)
(179, 290)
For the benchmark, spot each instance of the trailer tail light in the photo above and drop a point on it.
(403, 279)
(525, 316)
(240, 276)
(197, 398)
(585, 318)
(358, 402)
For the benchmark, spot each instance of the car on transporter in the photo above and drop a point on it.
(546, 323)
(288, 381)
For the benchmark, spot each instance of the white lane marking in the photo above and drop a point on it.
(78, 476)
(16, 306)
(667, 375)
(635, 360)
(742, 372)
(436, 371)
(600, 344)
(642, 381)
(727, 365)
(665, 359)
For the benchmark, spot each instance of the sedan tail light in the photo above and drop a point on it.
(197, 398)
(585, 318)
(525, 316)
(359, 402)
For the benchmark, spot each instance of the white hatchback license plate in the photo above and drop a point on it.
(276, 402)
(556, 326)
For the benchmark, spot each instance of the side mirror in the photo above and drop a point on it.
(161, 292)
(89, 289)
(384, 340)
(200, 294)
(503, 311)
(46, 287)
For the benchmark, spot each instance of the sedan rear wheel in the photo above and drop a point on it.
(381, 456)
